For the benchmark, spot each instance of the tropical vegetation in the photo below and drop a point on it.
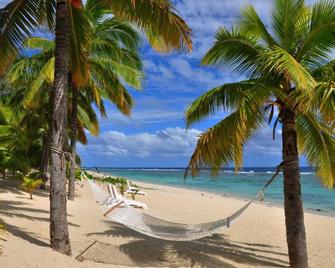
(289, 82)
(88, 59)
(30, 185)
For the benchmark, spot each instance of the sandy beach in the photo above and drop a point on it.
(256, 239)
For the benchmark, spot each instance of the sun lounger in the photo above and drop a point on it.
(116, 198)
(134, 190)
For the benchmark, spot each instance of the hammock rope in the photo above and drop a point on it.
(166, 230)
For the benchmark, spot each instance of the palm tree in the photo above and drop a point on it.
(113, 57)
(98, 65)
(288, 70)
(157, 18)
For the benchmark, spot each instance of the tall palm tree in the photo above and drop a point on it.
(157, 18)
(100, 63)
(289, 70)
(112, 57)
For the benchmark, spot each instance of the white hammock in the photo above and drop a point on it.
(165, 230)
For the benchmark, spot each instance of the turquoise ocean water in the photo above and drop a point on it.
(243, 185)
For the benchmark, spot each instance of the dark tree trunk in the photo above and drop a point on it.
(294, 213)
(59, 234)
(45, 158)
(74, 113)
(4, 174)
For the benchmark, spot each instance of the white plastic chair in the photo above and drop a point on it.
(134, 190)
(116, 198)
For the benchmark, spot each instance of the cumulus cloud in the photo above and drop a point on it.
(262, 143)
(3, 3)
(169, 147)
(170, 142)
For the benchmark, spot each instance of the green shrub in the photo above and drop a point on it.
(30, 185)
(121, 183)
(77, 174)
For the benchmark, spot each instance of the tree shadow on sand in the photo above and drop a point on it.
(18, 209)
(25, 235)
(23, 209)
(13, 186)
(214, 251)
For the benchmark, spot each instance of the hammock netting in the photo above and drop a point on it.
(159, 228)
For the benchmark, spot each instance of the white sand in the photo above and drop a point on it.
(257, 239)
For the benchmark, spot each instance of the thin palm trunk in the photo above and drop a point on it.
(294, 213)
(73, 141)
(45, 158)
(4, 174)
(59, 234)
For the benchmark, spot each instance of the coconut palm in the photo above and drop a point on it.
(157, 18)
(110, 56)
(113, 57)
(289, 72)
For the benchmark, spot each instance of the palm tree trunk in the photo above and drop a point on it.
(59, 234)
(294, 213)
(45, 158)
(72, 179)
(4, 174)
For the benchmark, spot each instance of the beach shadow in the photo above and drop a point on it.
(13, 186)
(25, 235)
(22, 208)
(18, 209)
(214, 251)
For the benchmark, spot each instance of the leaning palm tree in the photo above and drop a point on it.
(290, 77)
(166, 31)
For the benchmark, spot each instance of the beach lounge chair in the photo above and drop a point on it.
(116, 198)
(134, 190)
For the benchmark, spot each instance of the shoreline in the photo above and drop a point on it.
(267, 203)
(256, 239)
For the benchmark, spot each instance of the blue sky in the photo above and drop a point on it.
(155, 135)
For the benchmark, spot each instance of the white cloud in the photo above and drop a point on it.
(263, 144)
(170, 142)
(3, 3)
(170, 145)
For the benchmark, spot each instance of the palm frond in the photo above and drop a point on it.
(323, 101)
(18, 20)
(224, 142)
(228, 97)
(157, 17)
(88, 119)
(283, 64)
(234, 49)
(317, 142)
(321, 37)
(128, 67)
(252, 24)
(111, 85)
(40, 43)
(79, 39)
(286, 17)
(113, 29)
(81, 135)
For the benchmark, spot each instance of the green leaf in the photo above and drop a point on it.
(317, 142)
